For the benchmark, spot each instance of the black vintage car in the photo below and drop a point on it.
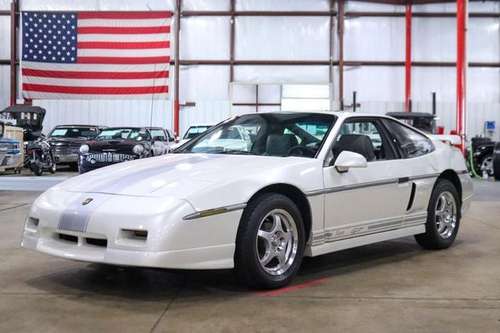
(422, 120)
(66, 140)
(114, 145)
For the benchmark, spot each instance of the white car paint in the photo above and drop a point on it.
(191, 205)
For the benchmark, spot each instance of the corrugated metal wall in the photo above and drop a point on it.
(380, 89)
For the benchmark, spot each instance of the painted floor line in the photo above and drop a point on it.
(292, 288)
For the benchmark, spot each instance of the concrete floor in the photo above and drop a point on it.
(389, 287)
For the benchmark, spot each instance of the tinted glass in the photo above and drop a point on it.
(158, 133)
(270, 134)
(410, 142)
(74, 132)
(363, 137)
(194, 131)
(123, 134)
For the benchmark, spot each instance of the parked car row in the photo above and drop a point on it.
(89, 147)
(82, 147)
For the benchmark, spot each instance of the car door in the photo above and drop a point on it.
(367, 200)
(419, 164)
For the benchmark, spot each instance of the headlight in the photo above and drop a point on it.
(138, 149)
(84, 149)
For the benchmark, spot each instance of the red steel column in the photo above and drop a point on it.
(340, 32)
(408, 14)
(13, 53)
(177, 65)
(461, 47)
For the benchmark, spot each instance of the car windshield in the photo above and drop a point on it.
(194, 131)
(74, 132)
(136, 134)
(268, 134)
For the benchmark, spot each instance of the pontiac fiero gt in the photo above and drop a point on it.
(257, 193)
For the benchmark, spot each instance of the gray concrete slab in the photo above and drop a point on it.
(389, 287)
(30, 183)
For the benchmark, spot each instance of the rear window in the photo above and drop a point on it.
(410, 142)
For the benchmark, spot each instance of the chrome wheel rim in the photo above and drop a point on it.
(277, 242)
(487, 165)
(446, 214)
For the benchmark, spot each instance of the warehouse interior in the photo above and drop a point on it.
(258, 48)
(230, 58)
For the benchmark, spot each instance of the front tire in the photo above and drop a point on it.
(443, 217)
(270, 242)
(36, 168)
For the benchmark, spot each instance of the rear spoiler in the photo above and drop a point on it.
(453, 140)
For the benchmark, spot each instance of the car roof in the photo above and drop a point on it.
(127, 127)
(340, 114)
(76, 125)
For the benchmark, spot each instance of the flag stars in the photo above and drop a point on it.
(50, 37)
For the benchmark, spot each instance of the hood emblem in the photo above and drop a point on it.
(87, 201)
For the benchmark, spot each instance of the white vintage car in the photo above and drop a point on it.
(306, 184)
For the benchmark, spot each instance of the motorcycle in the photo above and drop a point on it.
(39, 157)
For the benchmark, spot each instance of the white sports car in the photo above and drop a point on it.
(306, 184)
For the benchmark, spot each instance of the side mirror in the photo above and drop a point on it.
(348, 159)
(158, 138)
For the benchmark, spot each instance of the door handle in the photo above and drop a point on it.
(403, 180)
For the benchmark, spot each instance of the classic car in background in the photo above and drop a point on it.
(191, 133)
(10, 150)
(162, 140)
(66, 140)
(293, 190)
(422, 120)
(38, 155)
(114, 145)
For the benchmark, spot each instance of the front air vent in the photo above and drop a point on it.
(68, 238)
(97, 242)
(140, 235)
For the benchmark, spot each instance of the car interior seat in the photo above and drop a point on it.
(357, 143)
(280, 144)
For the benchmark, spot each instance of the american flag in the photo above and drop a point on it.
(86, 55)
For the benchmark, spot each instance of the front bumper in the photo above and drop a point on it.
(10, 160)
(66, 158)
(86, 163)
(105, 237)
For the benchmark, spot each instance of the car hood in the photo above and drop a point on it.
(178, 175)
(118, 144)
(66, 141)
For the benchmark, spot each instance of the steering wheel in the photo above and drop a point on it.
(301, 151)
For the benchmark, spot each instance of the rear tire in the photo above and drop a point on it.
(443, 217)
(496, 161)
(270, 242)
(486, 165)
(53, 166)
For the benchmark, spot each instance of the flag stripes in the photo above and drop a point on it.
(96, 54)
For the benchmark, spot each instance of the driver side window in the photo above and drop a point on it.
(364, 137)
